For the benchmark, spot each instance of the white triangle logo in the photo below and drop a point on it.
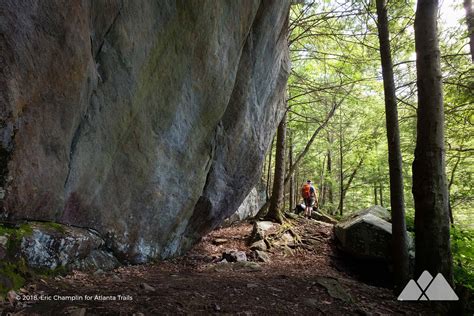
(427, 288)
(439, 290)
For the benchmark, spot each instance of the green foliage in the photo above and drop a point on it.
(410, 221)
(11, 277)
(463, 254)
(335, 59)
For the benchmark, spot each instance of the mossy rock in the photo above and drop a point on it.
(47, 249)
(12, 276)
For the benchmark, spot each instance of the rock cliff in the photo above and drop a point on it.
(146, 121)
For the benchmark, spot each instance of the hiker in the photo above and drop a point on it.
(308, 192)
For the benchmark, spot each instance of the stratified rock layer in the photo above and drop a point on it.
(145, 120)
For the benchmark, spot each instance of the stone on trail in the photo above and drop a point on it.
(334, 288)
(285, 239)
(287, 251)
(246, 266)
(323, 223)
(319, 216)
(76, 311)
(311, 302)
(234, 256)
(12, 296)
(243, 266)
(219, 241)
(147, 287)
(259, 245)
(262, 256)
(291, 215)
(262, 229)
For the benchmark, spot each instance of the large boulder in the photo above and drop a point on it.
(366, 235)
(147, 121)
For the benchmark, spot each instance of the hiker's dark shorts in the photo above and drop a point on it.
(309, 201)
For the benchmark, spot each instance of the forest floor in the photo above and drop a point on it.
(314, 279)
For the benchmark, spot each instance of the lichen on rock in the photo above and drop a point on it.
(48, 248)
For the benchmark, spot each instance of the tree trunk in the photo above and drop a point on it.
(381, 193)
(470, 25)
(430, 192)
(274, 211)
(348, 185)
(451, 181)
(376, 201)
(269, 174)
(341, 165)
(292, 178)
(329, 173)
(397, 200)
(295, 186)
(322, 185)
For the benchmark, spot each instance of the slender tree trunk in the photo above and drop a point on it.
(381, 193)
(470, 25)
(376, 201)
(349, 182)
(269, 173)
(292, 178)
(451, 181)
(329, 173)
(295, 186)
(430, 191)
(341, 170)
(397, 200)
(274, 211)
(322, 185)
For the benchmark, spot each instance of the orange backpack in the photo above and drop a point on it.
(306, 191)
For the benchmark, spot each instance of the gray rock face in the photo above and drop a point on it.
(249, 208)
(366, 235)
(145, 120)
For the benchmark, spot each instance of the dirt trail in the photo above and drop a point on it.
(310, 279)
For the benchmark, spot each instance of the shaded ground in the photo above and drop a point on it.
(309, 279)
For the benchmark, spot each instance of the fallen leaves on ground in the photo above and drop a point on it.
(311, 279)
